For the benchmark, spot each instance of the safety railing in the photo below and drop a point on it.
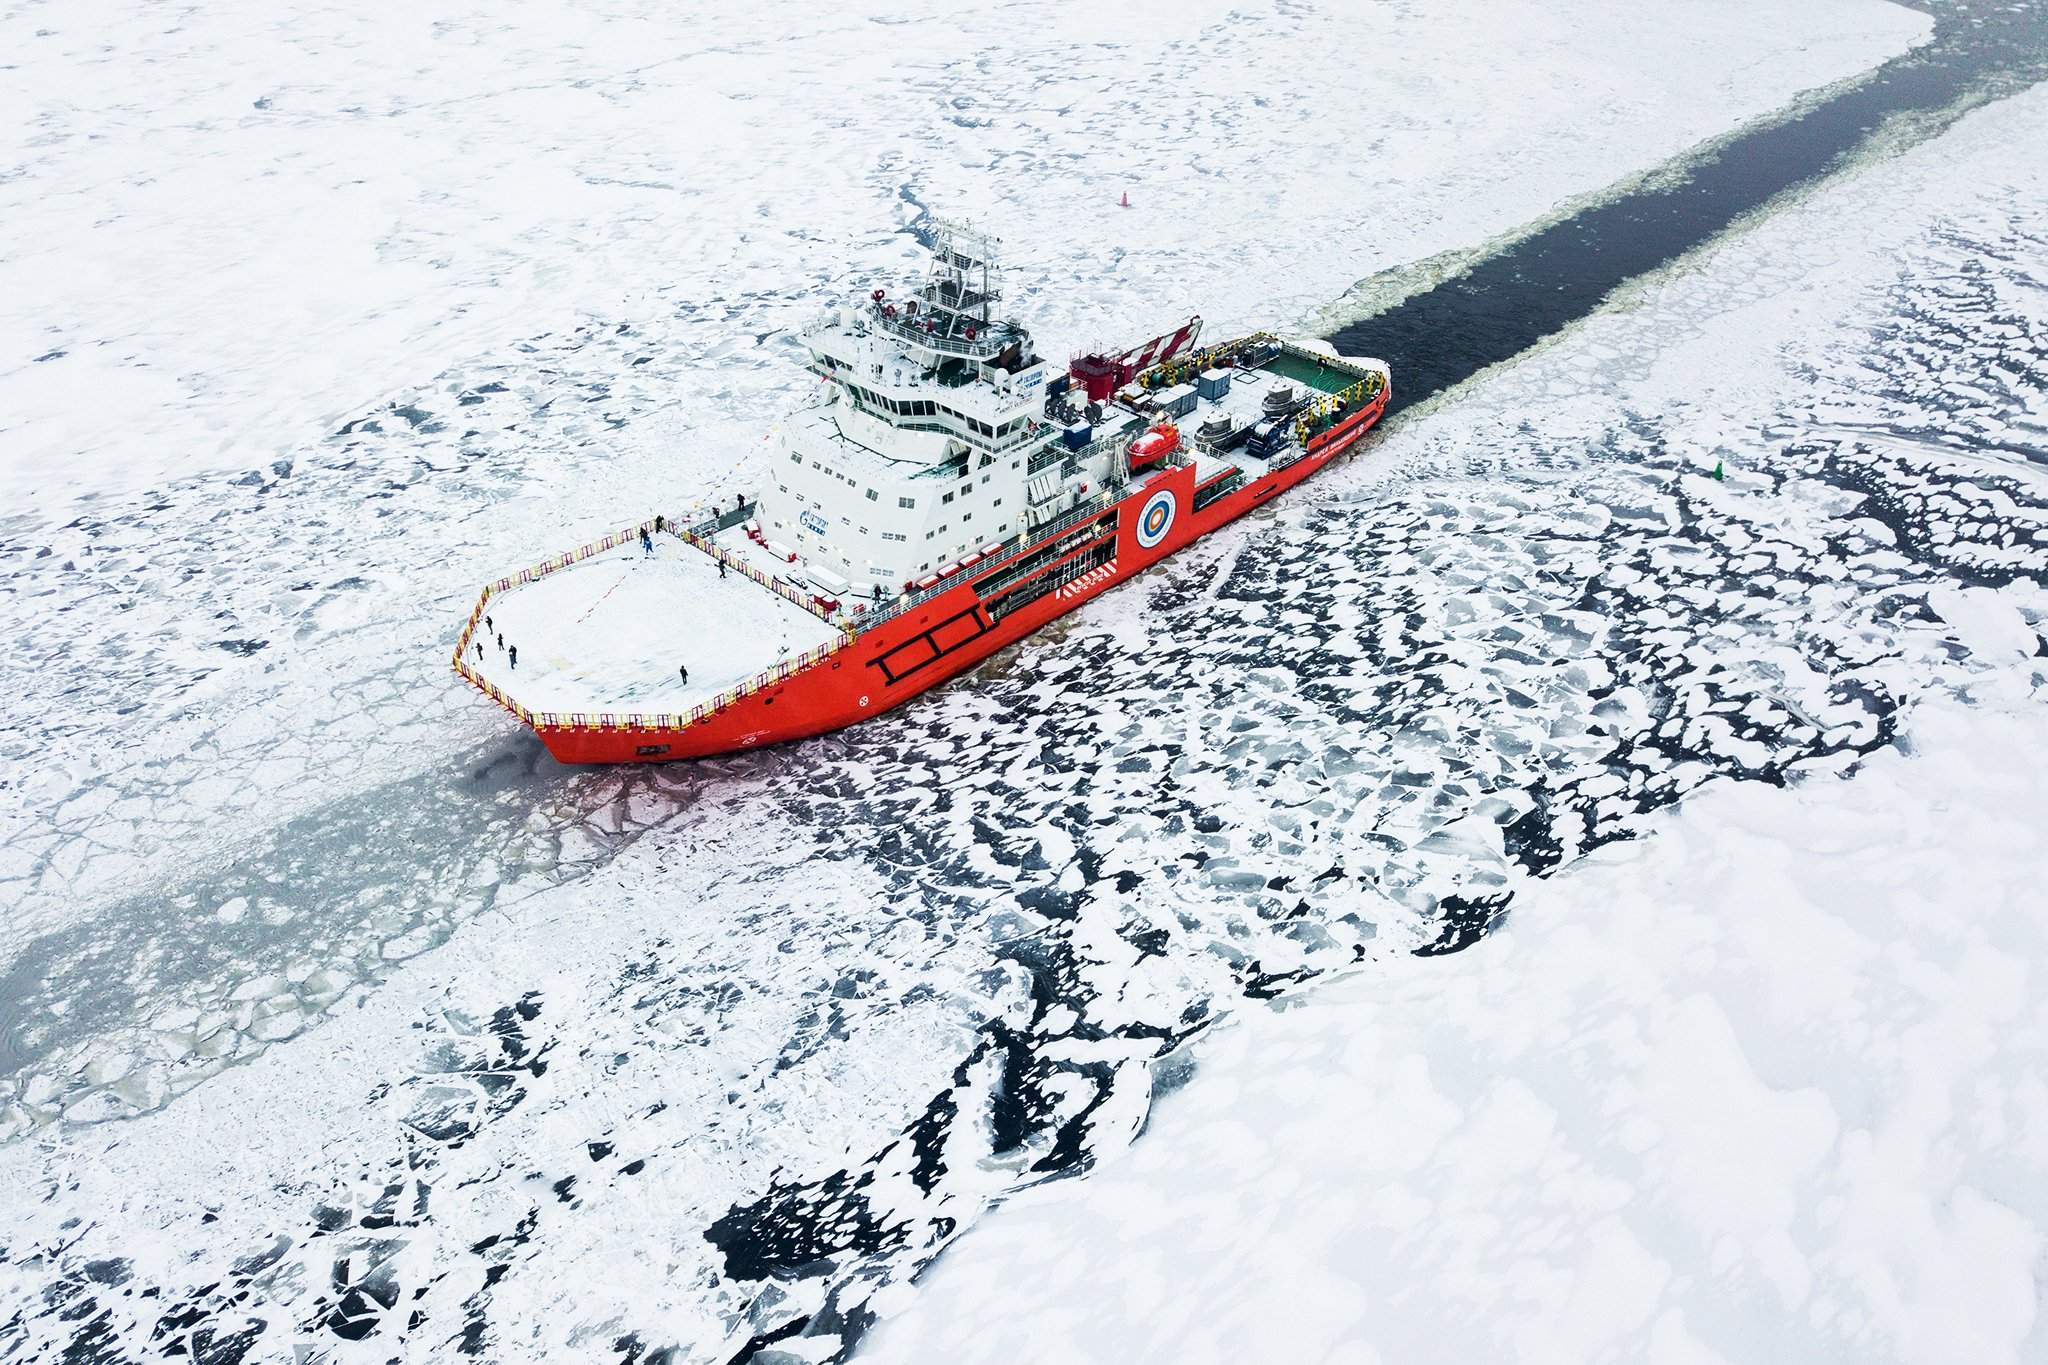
(982, 346)
(1094, 506)
(660, 720)
(733, 561)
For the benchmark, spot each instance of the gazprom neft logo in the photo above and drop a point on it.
(1155, 519)
(812, 522)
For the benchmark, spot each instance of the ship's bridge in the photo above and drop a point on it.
(926, 446)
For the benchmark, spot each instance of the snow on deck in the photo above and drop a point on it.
(609, 634)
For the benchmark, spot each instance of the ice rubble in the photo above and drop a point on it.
(197, 273)
(990, 914)
(760, 1065)
(258, 709)
(1759, 1086)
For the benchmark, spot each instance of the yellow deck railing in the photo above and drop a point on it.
(662, 720)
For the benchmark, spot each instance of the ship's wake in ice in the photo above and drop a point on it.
(1340, 735)
(710, 1060)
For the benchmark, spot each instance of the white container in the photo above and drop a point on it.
(832, 583)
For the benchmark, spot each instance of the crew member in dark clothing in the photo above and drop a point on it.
(501, 642)
(488, 625)
(646, 543)
(660, 523)
(721, 568)
(684, 670)
(513, 654)
(479, 651)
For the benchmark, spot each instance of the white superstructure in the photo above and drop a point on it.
(933, 440)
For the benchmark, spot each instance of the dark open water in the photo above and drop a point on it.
(1507, 303)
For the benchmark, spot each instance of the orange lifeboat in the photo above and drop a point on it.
(1155, 445)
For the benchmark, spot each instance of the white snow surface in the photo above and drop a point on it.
(268, 648)
(613, 633)
(423, 1045)
(228, 228)
(1767, 1084)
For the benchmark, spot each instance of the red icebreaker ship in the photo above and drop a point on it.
(952, 494)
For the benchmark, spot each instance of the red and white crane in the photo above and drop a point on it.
(1101, 374)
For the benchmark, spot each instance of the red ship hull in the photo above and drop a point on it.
(888, 663)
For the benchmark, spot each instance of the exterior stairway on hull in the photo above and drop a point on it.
(1088, 580)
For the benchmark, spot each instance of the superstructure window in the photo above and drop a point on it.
(947, 498)
(873, 495)
(906, 502)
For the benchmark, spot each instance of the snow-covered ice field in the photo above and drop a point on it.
(1764, 1085)
(421, 1046)
(227, 230)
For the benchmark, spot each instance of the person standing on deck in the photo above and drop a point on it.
(684, 670)
(513, 654)
(646, 544)
(479, 651)
(721, 568)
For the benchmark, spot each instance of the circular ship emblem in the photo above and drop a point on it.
(1155, 518)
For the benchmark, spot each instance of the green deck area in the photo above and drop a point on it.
(1311, 373)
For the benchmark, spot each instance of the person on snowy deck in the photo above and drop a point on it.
(479, 651)
(684, 670)
(646, 544)
(721, 568)
(501, 642)
(514, 654)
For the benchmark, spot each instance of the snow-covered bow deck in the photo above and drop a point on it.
(604, 632)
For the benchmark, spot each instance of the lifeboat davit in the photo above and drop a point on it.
(1155, 445)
